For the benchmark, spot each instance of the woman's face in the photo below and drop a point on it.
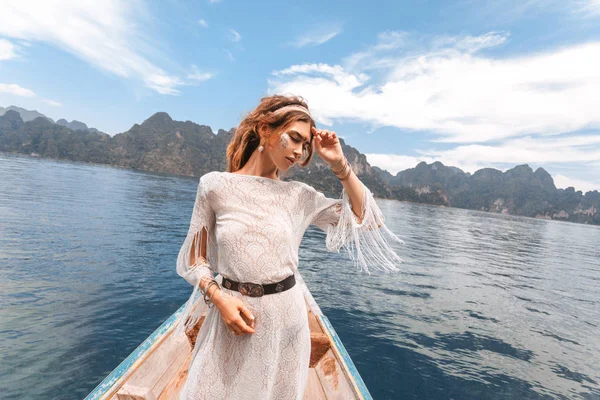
(286, 147)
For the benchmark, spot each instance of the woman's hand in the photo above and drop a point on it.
(328, 146)
(237, 318)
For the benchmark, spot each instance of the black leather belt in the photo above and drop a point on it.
(258, 290)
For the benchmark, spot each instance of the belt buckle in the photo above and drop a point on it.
(251, 289)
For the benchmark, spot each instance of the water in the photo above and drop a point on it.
(488, 306)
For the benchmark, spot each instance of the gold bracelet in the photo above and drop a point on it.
(345, 172)
(342, 171)
(343, 168)
(333, 167)
(347, 175)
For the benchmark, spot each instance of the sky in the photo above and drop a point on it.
(470, 83)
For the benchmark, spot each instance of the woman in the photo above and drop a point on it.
(255, 340)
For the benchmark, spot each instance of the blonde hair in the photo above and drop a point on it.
(262, 122)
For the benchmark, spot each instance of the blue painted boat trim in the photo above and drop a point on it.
(120, 372)
(348, 363)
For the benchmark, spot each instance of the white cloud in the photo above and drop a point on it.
(373, 56)
(567, 149)
(198, 75)
(394, 163)
(590, 8)
(203, 23)
(235, 35)
(563, 182)
(229, 55)
(509, 12)
(106, 34)
(312, 80)
(317, 38)
(454, 90)
(7, 50)
(501, 110)
(16, 90)
(580, 154)
(52, 103)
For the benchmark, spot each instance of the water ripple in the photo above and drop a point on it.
(487, 307)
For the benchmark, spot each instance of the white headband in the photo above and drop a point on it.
(291, 107)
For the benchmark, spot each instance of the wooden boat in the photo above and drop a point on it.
(157, 369)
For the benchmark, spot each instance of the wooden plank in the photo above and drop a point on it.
(319, 344)
(334, 382)
(128, 392)
(314, 325)
(314, 390)
(171, 372)
(108, 387)
(149, 373)
(175, 386)
(192, 334)
(345, 361)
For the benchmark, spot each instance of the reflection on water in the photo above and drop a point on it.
(488, 306)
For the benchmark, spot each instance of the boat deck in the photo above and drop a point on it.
(157, 369)
(163, 373)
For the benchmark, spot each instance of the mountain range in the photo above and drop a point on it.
(30, 115)
(161, 144)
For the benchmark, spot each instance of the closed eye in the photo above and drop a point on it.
(298, 140)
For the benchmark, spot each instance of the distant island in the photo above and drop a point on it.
(28, 115)
(161, 144)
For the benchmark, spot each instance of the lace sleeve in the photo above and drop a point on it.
(367, 241)
(198, 253)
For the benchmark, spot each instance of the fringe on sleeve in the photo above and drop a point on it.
(192, 265)
(367, 241)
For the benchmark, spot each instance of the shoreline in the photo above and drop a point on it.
(175, 175)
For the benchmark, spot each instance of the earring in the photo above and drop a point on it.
(261, 148)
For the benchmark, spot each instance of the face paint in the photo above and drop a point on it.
(284, 140)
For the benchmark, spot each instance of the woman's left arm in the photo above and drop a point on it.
(355, 189)
(329, 148)
(354, 221)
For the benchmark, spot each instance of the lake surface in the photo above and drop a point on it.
(487, 307)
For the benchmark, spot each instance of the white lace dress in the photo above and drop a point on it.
(254, 227)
